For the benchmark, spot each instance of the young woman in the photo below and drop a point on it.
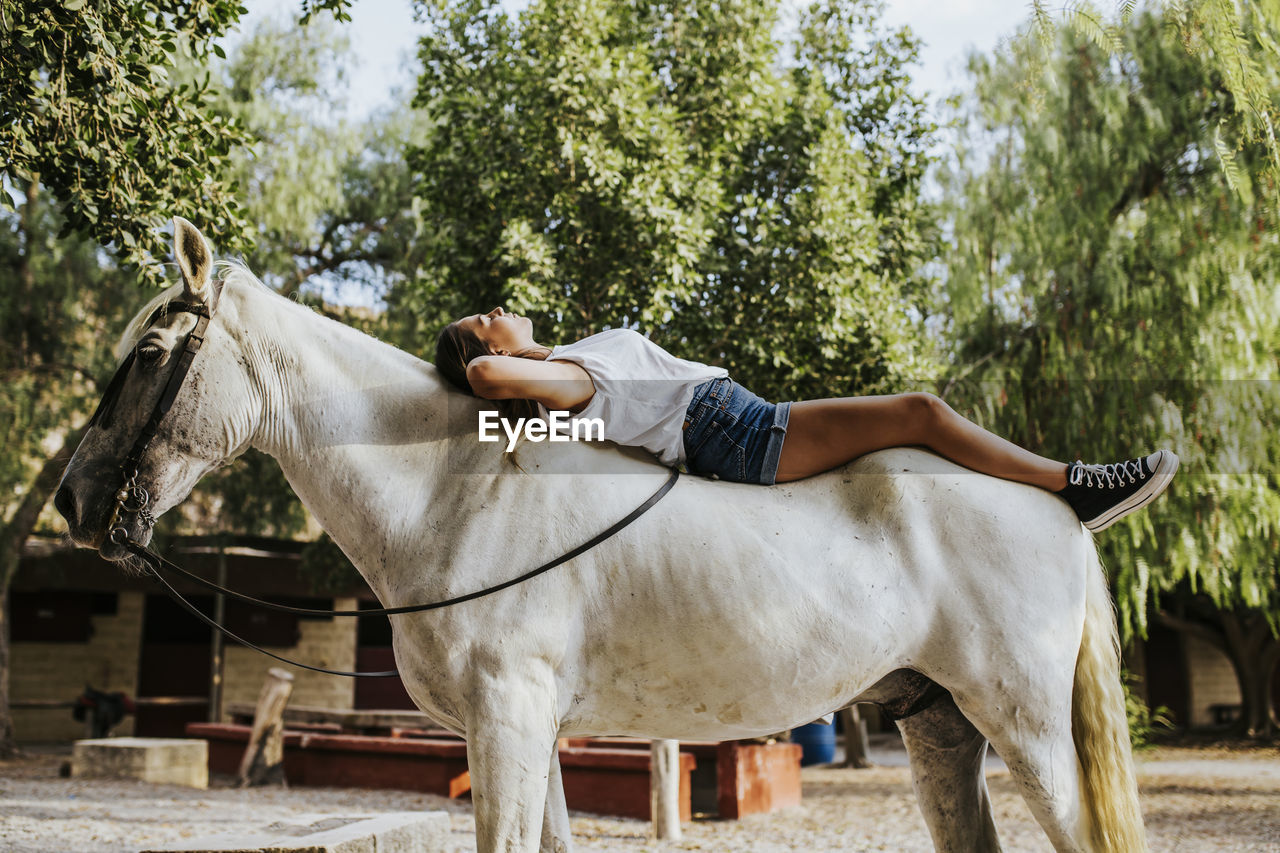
(690, 413)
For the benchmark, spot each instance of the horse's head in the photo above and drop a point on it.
(180, 405)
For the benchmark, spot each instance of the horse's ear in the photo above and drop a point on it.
(195, 260)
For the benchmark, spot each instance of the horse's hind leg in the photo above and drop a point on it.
(1066, 740)
(1042, 761)
(947, 755)
(1026, 714)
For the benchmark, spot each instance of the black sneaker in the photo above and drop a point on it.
(1101, 495)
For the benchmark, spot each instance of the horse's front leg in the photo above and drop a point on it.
(557, 837)
(511, 738)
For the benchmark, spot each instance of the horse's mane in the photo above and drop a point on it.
(133, 331)
(234, 274)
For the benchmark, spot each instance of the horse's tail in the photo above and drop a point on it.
(1100, 727)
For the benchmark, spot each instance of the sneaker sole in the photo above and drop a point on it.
(1160, 477)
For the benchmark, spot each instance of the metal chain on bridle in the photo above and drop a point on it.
(133, 500)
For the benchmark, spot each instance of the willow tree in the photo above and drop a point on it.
(1110, 291)
(1236, 40)
(674, 167)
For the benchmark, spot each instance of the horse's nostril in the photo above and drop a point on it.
(65, 503)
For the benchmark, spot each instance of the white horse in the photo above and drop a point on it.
(727, 611)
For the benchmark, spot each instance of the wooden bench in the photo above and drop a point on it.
(1224, 714)
(602, 780)
(601, 775)
(355, 722)
(732, 779)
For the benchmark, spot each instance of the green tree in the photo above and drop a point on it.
(103, 135)
(62, 298)
(1237, 41)
(666, 166)
(1108, 291)
(331, 197)
(95, 140)
(90, 110)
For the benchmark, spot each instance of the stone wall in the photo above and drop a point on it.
(60, 671)
(1212, 681)
(329, 643)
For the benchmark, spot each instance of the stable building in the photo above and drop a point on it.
(78, 621)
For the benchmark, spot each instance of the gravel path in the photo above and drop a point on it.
(1196, 801)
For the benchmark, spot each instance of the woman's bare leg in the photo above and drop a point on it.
(822, 434)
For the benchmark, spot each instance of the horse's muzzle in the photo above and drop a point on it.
(65, 503)
(88, 517)
(84, 532)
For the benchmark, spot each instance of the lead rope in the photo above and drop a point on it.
(155, 564)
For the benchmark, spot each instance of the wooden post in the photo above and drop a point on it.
(664, 789)
(855, 738)
(263, 762)
(216, 647)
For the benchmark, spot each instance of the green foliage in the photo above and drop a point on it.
(61, 301)
(1109, 293)
(325, 569)
(1145, 723)
(1239, 42)
(331, 198)
(89, 108)
(337, 7)
(662, 166)
(327, 196)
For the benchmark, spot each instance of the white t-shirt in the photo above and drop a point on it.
(642, 391)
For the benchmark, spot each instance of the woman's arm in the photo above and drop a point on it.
(558, 385)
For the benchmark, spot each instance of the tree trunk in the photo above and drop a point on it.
(1253, 651)
(263, 762)
(8, 746)
(855, 739)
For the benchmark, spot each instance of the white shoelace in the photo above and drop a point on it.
(1107, 476)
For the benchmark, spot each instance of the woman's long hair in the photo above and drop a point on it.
(456, 347)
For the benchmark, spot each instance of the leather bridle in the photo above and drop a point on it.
(133, 499)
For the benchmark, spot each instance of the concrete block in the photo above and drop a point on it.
(172, 761)
(395, 832)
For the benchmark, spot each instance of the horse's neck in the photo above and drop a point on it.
(386, 456)
(360, 429)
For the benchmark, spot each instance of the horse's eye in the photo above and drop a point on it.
(150, 353)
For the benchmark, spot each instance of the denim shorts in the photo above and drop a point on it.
(731, 434)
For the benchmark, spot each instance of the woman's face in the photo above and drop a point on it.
(503, 332)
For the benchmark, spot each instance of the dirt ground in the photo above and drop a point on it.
(1216, 798)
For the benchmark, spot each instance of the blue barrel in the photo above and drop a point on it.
(817, 741)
